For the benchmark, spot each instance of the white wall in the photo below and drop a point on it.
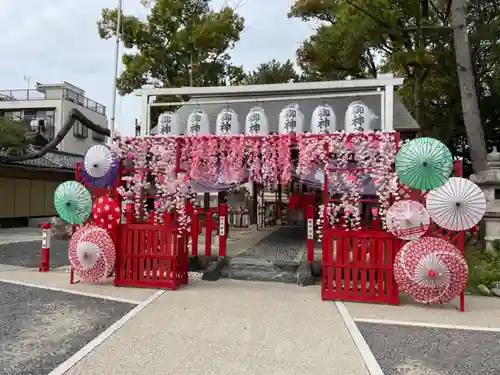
(79, 145)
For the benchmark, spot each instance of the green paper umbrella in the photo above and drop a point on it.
(424, 163)
(73, 202)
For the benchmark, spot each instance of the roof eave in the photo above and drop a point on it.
(354, 85)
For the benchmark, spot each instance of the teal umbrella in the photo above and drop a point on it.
(424, 163)
(73, 202)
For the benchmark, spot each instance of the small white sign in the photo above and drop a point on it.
(222, 226)
(310, 229)
(46, 233)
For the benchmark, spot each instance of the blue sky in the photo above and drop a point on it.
(56, 40)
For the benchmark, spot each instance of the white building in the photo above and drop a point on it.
(46, 107)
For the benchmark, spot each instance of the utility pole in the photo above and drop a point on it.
(27, 79)
(115, 72)
(470, 107)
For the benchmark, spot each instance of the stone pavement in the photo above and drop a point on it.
(230, 328)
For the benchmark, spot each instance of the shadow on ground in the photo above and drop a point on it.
(403, 350)
(27, 254)
(40, 329)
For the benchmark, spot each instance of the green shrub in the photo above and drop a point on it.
(484, 267)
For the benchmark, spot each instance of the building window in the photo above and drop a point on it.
(98, 137)
(80, 131)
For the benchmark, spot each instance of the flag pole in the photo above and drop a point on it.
(115, 72)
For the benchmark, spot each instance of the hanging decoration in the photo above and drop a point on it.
(359, 118)
(430, 270)
(73, 202)
(227, 122)
(198, 123)
(106, 213)
(457, 205)
(168, 124)
(407, 219)
(92, 253)
(291, 120)
(424, 163)
(256, 122)
(323, 120)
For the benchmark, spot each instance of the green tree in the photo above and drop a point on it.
(271, 72)
(359, 38)
(181, 43)
(14, 136)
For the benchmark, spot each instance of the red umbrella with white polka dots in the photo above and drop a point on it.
(92, 253)
(431, 270)
(106, 213)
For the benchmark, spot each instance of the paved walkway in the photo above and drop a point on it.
(230, 327)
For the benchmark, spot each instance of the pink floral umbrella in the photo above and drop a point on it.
(431, 270)
(407, 220)
(92, 253)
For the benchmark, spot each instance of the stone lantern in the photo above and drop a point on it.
(489, 181)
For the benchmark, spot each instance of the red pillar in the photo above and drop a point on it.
(45, 254)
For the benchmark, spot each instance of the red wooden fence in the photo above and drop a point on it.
(151, 255)
(357, 266)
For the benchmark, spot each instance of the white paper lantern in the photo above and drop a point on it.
(198, 123)
(291, 120)
(227, 122)
(256, 122)
(323, 120)
(168, 124)
(359, 117)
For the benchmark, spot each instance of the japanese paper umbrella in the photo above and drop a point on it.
(72, 202)
(457, 205)
(92, 253)
(101, 182)
(99, 165)
(424, 163)
(431, 271)
(407, 219)
(106, 213)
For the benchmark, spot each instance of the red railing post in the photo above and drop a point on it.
(309, 214)
(195, 231)
(208, 233)
(223, 230)
(45, 254)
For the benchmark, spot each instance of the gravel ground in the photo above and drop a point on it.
(27, 254)
(285, 244)
(40, 329)
(432, 351)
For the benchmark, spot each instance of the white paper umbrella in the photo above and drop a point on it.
(408, 220)
(98, 161)
(457, 205)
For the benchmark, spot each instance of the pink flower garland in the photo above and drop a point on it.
(270, 171)
(284, 162)
(203, 158)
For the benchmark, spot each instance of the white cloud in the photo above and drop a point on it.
(54, 41)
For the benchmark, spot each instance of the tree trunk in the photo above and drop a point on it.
(470, 107)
